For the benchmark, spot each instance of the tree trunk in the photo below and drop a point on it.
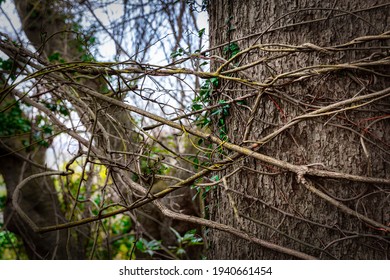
(273, 204)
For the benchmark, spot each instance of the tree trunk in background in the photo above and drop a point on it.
(38, 199)
(336, 144)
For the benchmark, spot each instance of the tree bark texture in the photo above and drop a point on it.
(303, 221)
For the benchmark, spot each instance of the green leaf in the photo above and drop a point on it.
(51, 107)
(201, 32)
(76, 27)
(54, 57)
(204, 122)
(92, 40)
(197, 106)
(195, 161)
(216, 112)
(215, 81)
(140, 245)
(6, 64)
(44, 143)
(215, 178)
(47, 129)
(231, 50)
(177, 53)
(195, 195)
(180, 252)
(87, 58)
(231, 28)
(178, 236)
(189, 235)
(63, 110)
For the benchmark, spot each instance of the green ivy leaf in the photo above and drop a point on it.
(215, 178)
(140, 245)
(51, 107)
(180, 252)
(231, 50)
(92, 40)
(215, 81)
(44, 143)
(204, 122)
(87, 58)
(216, 112)
(63, 110)
(177, 53)
(47, 129)
(201, 32)
(6, 64)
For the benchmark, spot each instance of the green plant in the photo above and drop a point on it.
(177, 53)
(205, 190)
(9, 67)
(56, 57)
(202, 101)
(190, 238)
(148, 247)
(84, 43)
(12, 121)
(11, 247)
(231, 50)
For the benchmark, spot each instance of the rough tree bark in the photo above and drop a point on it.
(334, 142)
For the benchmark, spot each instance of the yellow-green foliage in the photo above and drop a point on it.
(86, 183)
